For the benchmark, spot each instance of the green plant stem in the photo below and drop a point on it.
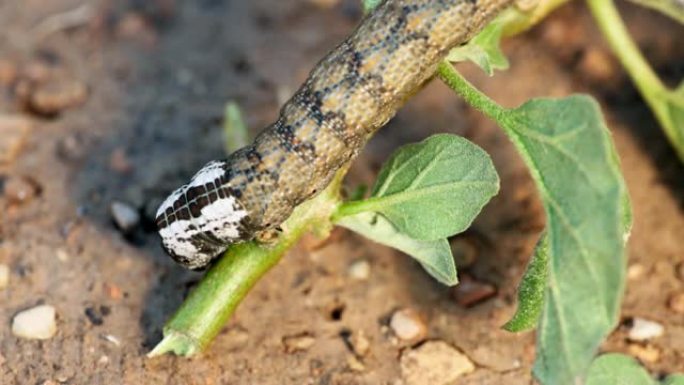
(646, 80)
(472, 95)
(213, 301)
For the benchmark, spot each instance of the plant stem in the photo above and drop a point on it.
(213, 301)
(472, 95)
(646, 80)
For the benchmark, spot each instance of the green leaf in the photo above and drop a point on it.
(568, 149)
(531, 291)
(483, 50)
(434, 256)
(432, 189)
(234, 128)
(617, 369)
(671, 8)
(674, 379)
(369, 5)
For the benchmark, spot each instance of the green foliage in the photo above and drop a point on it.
(425, 192)
(666, 104)
(435, 188)
(572, 160)
(532, 290)
(434, 256)
(483, 50)
(618, 369)
(235, 133)
(567, 147)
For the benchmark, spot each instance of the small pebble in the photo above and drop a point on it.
(354, 364)
(359, 270)
(434, 363)
(597, 65)
(470, 292)
(104, 360)
(113, 291)
(643, 329)
(19, 190)
(4, 276)
(62, 255)
(112, 339)
(359, 343)
(648, 354)
(676, 302)
(299, 342)
(635, 271)
(15, 131)
(57, 96)
(408, 325)
(35, 323)
(125, 216)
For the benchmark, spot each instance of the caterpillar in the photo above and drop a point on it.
(350, 93)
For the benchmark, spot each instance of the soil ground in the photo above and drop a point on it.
(158, 73)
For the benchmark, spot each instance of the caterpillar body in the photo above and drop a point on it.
(349, 94)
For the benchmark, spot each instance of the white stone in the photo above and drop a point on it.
(35, 323)
(434, 363)
(643, 329)
(359, 270)
(408, 325)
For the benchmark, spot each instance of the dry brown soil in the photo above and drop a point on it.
(158, 73)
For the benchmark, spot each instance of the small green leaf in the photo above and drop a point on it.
(234, 128)
(483, 50)
(434, 256)
(671, 8)
(617, 369)
(433, 189)
(369, 5)
(531, 290)
(674, 379)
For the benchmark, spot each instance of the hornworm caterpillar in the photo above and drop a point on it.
(351, 93)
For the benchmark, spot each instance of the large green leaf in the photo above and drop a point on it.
(433, 189)
(568, 149)
(434, 256)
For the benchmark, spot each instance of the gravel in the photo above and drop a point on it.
(36, 323)
(408, 325)
(434, 363)
(643, 330)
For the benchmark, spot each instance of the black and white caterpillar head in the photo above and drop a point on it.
(201, 219)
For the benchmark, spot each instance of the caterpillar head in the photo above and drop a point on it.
(201, 219)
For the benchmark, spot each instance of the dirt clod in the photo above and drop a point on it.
(15, 130)
(408, 325)
(647, 353)
(4, 276)
(58, 95)
(298, 342)
(20, 190)
(676, 302)
(434, 363)
(470, 292)
(35, 323)
(359, 343)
